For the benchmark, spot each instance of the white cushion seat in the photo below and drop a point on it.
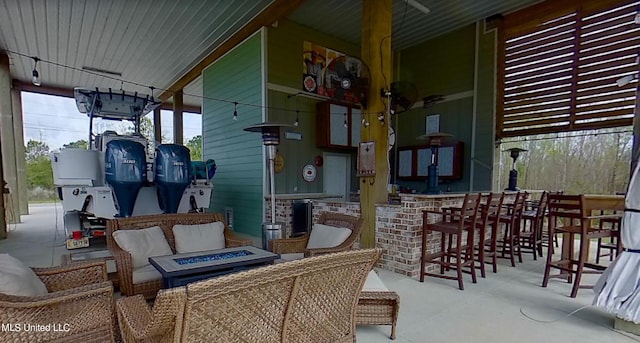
(145, 274)
(326, 236)
(142, 244)
(199, 237)
(373, 283)
(18, 279)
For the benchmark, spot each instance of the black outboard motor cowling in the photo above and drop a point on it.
(172, 175)
(125, 172)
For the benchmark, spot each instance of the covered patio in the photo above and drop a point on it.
(509, 306)
(255, 61)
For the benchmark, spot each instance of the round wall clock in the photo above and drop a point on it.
(309, 173)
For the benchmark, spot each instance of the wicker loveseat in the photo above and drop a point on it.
(166, 222)
(78, 307)
(308, 300)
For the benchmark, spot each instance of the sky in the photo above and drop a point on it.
(56, 121)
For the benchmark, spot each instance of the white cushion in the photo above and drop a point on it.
(325, 236)
(291, 257)
(373, 283)
(198, 237)
(18, 279)
(142, 244)
(146, 273)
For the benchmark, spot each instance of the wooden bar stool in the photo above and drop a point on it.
(614, 246)
(452, 226)
(567, 215)
(489, 214)
(510, 242)
(531, 235)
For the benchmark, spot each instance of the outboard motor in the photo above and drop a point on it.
(172, 175)
(125, 172)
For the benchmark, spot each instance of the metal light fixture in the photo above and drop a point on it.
(35, 75)
(434, 140)
(513, 173)
(270, 139)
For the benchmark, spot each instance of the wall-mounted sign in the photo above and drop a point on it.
(309, 173)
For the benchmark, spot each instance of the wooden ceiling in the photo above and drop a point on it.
(157, 42)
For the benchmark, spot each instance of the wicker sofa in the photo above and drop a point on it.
(308, 300)
(166, 222)
(79, 304)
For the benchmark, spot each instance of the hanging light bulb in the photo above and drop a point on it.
(36, 76)
(235, 110)
(365, 123)
(297, 122)
(345, 120)
(381, 118)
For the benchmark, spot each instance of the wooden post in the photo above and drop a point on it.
(177, 118)
(157, 126)
(18, 132)
(5, 107)
(376, 53)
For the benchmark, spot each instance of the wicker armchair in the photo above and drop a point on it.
(299, 244)
(79, 305)
(165, 222)
(309, 300)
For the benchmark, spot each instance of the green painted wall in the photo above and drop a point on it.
(285, 51)
(238, 154)
(285, 69)
(445, 66)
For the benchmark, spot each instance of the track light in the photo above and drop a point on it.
(36, 76)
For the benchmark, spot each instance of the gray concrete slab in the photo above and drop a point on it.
(509, 306)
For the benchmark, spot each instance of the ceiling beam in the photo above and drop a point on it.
(68, 93)
(278, 9)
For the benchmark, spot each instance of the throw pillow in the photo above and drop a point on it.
(142, 244)
(199, 237)
(325, 236)
(18, 279)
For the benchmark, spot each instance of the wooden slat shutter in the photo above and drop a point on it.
(560, 74)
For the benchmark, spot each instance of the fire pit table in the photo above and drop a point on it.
(181, 269)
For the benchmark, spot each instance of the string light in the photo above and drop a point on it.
(345, 120)
(36, 76)
(235, 110)
(123, 81)
(381, 118)
(365, 123)
(297, 122)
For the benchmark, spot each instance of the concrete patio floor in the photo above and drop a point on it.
(509, 306)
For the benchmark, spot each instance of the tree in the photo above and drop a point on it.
(38, 166)
(36, 150)
(195, 148)
(80, 144)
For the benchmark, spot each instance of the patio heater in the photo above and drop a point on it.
(434, 140)
(513, 173)
(270, 139)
